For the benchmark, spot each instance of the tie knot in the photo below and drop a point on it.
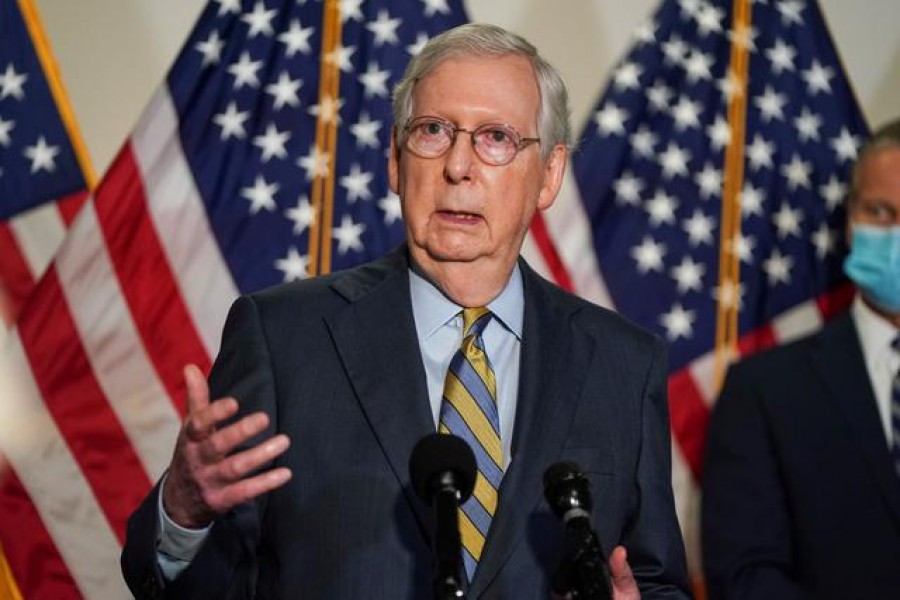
(475, 320)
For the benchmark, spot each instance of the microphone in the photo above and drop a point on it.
(442, 469)
(583, 572)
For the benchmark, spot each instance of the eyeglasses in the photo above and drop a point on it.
(495, 144)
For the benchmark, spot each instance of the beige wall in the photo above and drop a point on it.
(114, 53)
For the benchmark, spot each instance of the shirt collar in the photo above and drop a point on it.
(875, 333)
(432, 309)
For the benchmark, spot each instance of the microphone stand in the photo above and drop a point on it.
(442, 470)
(583, 573)
(448, 547)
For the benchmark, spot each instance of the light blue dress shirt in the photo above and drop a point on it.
(439, 326)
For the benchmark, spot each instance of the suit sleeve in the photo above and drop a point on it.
(746, 531)
(225, 565)
(653, 538)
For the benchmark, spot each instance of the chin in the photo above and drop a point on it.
(458, 248)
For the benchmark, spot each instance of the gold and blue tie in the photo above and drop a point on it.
(469, 410)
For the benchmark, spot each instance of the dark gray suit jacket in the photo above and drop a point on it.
(335, 362)
(800, 497)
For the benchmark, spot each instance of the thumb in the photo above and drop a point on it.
(197, 389)
(622, 579)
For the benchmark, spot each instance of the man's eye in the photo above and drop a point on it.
(881, 212)
(496, 136)
(432, 128)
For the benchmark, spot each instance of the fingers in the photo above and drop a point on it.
(231, 484)
(236, 467)
(222, 442)
(206, 480)
(240, 464)
(204, 416)
(196, 507)
(622, 580)
(247, 489)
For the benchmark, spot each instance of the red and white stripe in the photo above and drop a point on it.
(28, 242)
(48, 502)
(92, 384)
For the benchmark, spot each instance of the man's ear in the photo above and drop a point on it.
(394, 164)
(848, 224)
(554, 171)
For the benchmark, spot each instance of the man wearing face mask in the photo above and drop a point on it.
(801, 487)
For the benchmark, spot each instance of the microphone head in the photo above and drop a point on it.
(567, 488)
(440, 458)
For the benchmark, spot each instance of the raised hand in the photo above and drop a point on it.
(206, 478)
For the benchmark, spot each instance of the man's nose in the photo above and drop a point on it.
(460, 158)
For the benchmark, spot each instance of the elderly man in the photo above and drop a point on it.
(801, 493)
(294, 483)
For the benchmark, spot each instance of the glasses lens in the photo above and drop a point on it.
(496, 144)
(429, 137)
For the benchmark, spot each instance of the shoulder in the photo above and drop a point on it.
(605, 325)
(334, 290)
(793, 358)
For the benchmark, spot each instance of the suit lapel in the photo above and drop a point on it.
(376, 339)
(553, 363)
(840, 363)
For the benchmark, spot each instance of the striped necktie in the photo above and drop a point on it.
(469, 410)
(895, 409)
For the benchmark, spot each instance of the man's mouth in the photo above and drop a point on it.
(460, 216)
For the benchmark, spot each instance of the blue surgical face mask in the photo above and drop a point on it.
(874, 265)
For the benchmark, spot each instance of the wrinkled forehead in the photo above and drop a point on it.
(481, 80)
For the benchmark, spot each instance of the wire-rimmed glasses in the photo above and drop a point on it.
(495, 143)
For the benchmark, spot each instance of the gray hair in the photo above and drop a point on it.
(886, 136)
(478, 39)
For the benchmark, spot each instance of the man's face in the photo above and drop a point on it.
(456, 208)
(873, 263)
(877, 199)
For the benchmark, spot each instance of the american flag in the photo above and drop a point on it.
(44, 177)
(714, 173)
(261, 159)
(44, 172)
